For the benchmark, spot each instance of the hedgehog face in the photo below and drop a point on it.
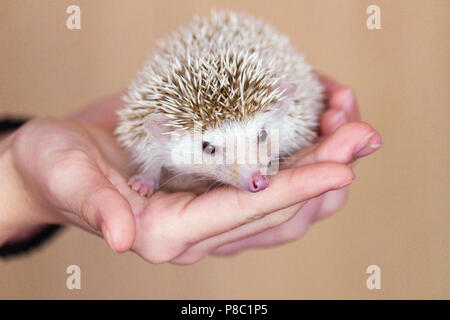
(241, 154)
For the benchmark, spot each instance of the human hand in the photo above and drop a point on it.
(63, 172)
(179, 227)
(352, 141)
(57, 173)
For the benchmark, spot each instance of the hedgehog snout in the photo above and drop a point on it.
(258, 182)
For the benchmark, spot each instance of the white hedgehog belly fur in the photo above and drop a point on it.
(222, 68)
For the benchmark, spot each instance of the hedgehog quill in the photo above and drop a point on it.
(224, 77)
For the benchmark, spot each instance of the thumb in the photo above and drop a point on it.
(93, 198)
(112, 214)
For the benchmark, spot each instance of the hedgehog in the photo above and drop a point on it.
(226, 84)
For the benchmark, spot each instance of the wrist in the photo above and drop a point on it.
(20, 215)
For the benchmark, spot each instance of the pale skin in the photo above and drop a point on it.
(73, 172)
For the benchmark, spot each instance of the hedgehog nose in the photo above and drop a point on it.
(259, 182)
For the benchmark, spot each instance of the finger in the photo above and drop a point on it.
(331, 120)
(98, 205)
(117, 221)
(315, 209)
(344, 99)
(333, 201)
(347, 144)
(233, 207)
(259, 225)
(205, 247)
(342, 105)
(101, 113)
(330, 85)
(284, 233)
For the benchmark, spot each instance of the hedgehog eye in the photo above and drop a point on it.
(208, 148)
(262, 136)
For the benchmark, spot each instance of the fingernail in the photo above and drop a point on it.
(347, 98)
(107, 237)
(338, 116)
(363, 143)
(376, 145)
(366, 147)
(346, 183)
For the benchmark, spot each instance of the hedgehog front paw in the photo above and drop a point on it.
(144, 186)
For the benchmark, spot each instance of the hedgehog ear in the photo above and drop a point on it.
(289, 89)
(156, 124)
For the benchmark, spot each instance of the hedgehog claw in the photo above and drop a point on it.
(144, 186)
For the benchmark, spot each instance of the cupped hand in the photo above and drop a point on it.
(222, 223)
(74, 173)
(68, 171)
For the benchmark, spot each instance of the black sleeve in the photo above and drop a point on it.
(20, 247)
(16, 248)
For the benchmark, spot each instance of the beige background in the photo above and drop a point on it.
(398, 213)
